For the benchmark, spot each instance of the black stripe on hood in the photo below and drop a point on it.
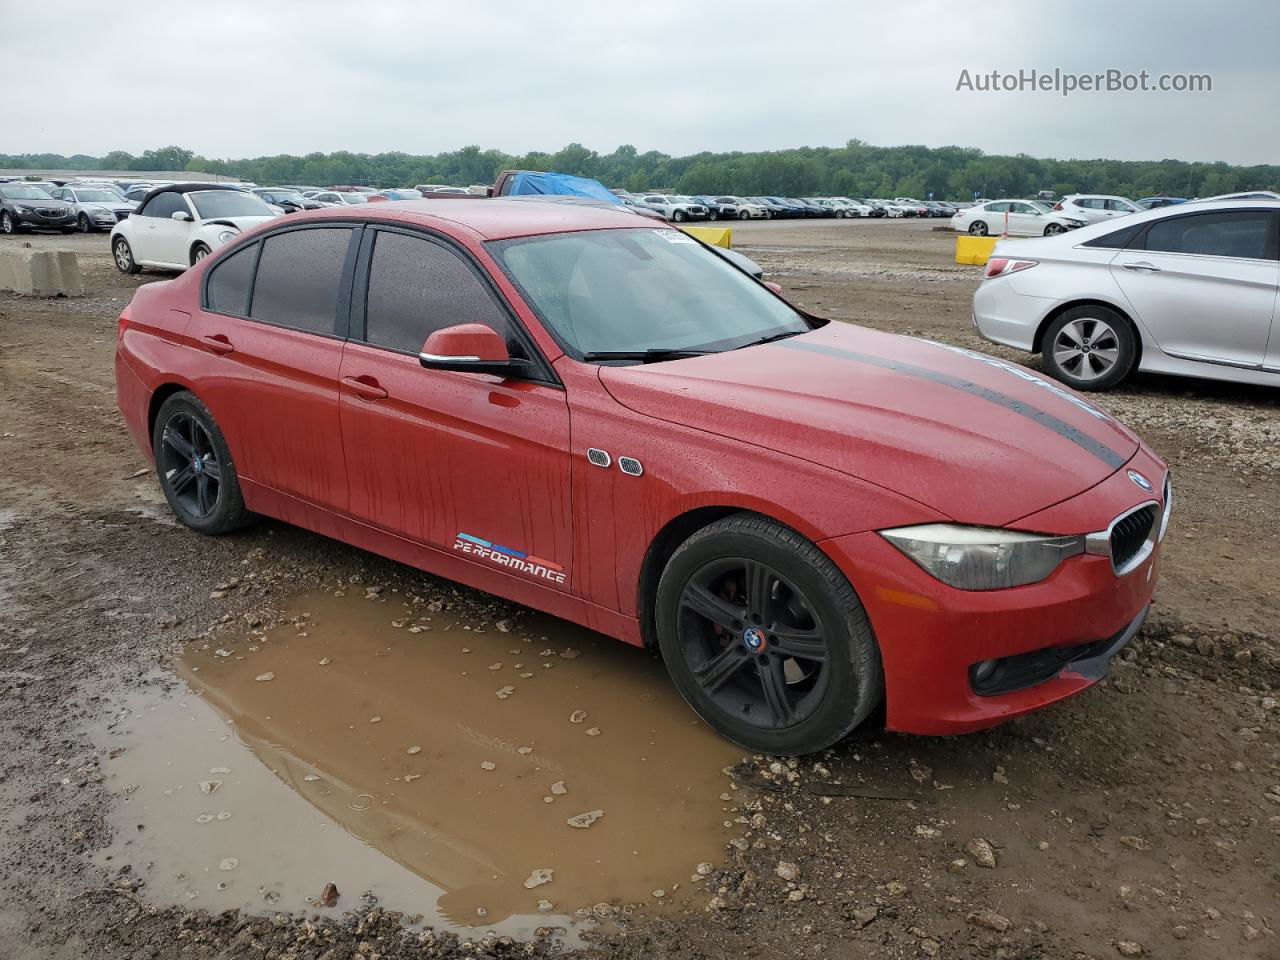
(1063, 429)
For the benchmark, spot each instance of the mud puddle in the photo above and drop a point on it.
(431, 764)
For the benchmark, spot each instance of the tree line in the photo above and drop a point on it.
(856, 169)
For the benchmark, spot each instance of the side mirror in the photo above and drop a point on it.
(469, 348)
(180, 215)
(775, 287)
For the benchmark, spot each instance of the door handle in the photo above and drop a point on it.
(219, 345)
(364, 389)
(1141, 265)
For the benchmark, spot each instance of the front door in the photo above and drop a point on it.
(468, 463)
(274, 346)
(1205, 284)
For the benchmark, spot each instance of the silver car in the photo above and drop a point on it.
(1189, 290)
(96, 208)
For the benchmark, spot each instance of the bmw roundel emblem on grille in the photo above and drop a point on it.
(1141, 481)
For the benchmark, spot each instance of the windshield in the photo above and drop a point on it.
(282, 196)
(96, 196)
(228, 203)
(637, 290)
(24, 193)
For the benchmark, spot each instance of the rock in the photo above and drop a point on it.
(1182, 640)
(1138, 843)
(864, 915)
(559, 789)
(703, 869)
(593, 732)
(1181, 932)
(919, 772)
(488, 765)
(325, 661)
(228, 863)
(602, 910)
(504, 626)
(538, 878)
(578, 716)
(413, 750)
(796, 895)
(990, 920)
(570, 654)
(328, 896)
(659, 894)
(209, 786)
(1000, 777)
(927, 832)
(983, 854)
(503, 692)
(787, 871)
(545, 906)
(495, 666)
(223, 653)
(264, 677)
(524, 751)
(1129, 948)
(583, 820)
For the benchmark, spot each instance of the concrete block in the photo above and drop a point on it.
(40, 273)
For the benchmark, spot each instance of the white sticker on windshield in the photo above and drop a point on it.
(674, 236)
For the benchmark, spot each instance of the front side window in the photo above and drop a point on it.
(299, 276)
(228, 203)
(1232, 234)
(164, 205)
(417, 286)
(641, 289)
(96, 196)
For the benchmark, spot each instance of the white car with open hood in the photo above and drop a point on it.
(178, 225)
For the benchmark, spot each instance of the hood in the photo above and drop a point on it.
(240, 223)
(980, 440)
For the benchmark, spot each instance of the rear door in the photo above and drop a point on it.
(471, 463)
(1205, 284)
(273, 324)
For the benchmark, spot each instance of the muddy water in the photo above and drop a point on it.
(428, 762)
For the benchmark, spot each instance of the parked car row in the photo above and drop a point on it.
(680, 208)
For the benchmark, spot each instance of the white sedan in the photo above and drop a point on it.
(1014, 218)
(177, 226)
(1188, 290)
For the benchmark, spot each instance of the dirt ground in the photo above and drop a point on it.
(1139, 819)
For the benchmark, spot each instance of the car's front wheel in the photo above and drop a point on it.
(1089, 348)
(199, 252)
(765, 638)
(743, 215)
(977, 229)
(8, 225)
(122, 254)
(678, 216)
(194, 466)
(1053, 229)
(83, 223)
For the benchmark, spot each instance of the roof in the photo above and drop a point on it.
(499, 218)
(187, 188)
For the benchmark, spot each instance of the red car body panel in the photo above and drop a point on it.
(838, 433)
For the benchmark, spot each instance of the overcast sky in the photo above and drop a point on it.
(246, 77)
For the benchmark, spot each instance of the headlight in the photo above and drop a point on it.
(983, 558)
(21, 209)
(226, 236)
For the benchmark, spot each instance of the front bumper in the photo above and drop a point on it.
(1050, 640)
(33, 218)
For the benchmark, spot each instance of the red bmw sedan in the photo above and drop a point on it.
(608, 421)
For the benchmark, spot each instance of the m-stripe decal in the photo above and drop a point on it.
(1042, 417)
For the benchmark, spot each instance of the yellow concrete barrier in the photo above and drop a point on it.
(715, 236)
(976, 250)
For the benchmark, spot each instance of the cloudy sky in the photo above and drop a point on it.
(247, 77)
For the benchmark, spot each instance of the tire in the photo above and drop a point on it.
(978, 229)
(199, 252)
(83, 223)
(122, 254)
(1090, 348)
(743, 215)
(678, 216)
(746, 648)
(713, 215)
(194, 467)
(1053, 229)
(8, 225)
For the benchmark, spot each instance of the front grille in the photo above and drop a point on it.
(51, 211)
(1130, 534)
(122, 214)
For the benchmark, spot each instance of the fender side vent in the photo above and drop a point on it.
(599, 457)
(630, 466)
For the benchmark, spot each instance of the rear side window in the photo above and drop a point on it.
(417, 287)
(1115, 240)
(299, 275)
(164, 205)
(1232, 234)
(227, 289)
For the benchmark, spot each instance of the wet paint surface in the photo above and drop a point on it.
(429, 762)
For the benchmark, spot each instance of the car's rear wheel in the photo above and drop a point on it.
(1089, 348)
(122, 254)
(195, 468)
(743, 215)
(1053, 229)
(978, 229)
(83, 223)
(199, 252)
(765, 638)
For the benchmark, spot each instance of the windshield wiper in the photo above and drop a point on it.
(644, 356)
(772, 337)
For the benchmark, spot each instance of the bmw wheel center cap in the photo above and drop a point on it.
(754, 640)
